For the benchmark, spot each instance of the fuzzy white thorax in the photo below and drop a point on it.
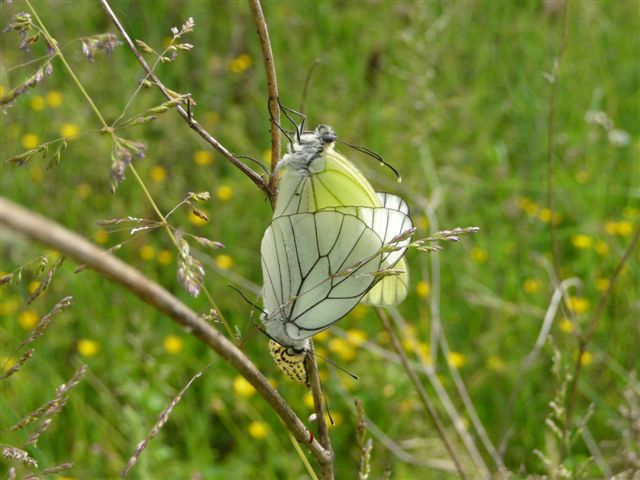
(310, 147)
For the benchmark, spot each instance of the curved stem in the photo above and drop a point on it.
(38, 228)
(272, 85)
(253, 176)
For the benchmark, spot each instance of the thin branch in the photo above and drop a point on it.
(272, 84)
(429, 407)
(36, 227)
(253, 176)
(326, 470)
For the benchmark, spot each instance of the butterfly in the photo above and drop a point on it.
(333, 242)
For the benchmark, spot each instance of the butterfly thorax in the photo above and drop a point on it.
(310, 147)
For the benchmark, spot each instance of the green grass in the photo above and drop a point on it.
(457, 100)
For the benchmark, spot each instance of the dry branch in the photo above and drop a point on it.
(36, 227)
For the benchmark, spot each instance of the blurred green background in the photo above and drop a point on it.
(456, 96)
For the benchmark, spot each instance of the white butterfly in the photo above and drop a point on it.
(333, 242)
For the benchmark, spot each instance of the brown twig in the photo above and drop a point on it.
(326, 470)
(593, 324)
(272, 85)
(253, 176)
(429, 407)
(38, 228)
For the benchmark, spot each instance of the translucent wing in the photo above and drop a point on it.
(331, 181)
(316, 267)
(391, 290)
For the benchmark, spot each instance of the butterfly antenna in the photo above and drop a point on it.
(339, 367)
(315, 63)
(257, 162)
(275, 122)
(247, 300)
(375, 155)
(299, 127)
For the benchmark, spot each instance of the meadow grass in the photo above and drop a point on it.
(454, 95)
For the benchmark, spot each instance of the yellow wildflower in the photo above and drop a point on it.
(158, 173)
(407, 405)
(479, 255)
(242, 387)
(240, 64)
(212, 118)
(622, 228)
(422, 223)
(203, 157)
(581, 241)
(37, 102)
(2, 90)
(266, 155)
(9, 306)
(601, 248)
(388, 390)
(578, 304)
(195, 219)
(423, 289)
(101, 236)
(224, 262)
(165, 257)
(611, 228)
(173, 344)
(566, 325)
(342, 348)
(69, 130)
(359, 311)
(88, 348)
(308, 400)
(147, 252)
(224, 193)
(496, 364)
(630, 212)
(523, 203)
(602, 284)
(625, 228)
(456, 359)
(258, 430)
(166, 42)
(532, 285)
(322, 336)
(83, 190)
(545, 215)
(54, 98)
(424, 351)
(33, 286)
(28, 319)
(30, 140)
(356, 337)
(36, 174)
(586, 359)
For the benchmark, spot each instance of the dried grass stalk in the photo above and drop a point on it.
(162, 419)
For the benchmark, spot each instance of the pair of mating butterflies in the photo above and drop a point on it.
(333, 242)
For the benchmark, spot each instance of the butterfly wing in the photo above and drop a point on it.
(316, 267)
(331, 181)
(392, 289)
